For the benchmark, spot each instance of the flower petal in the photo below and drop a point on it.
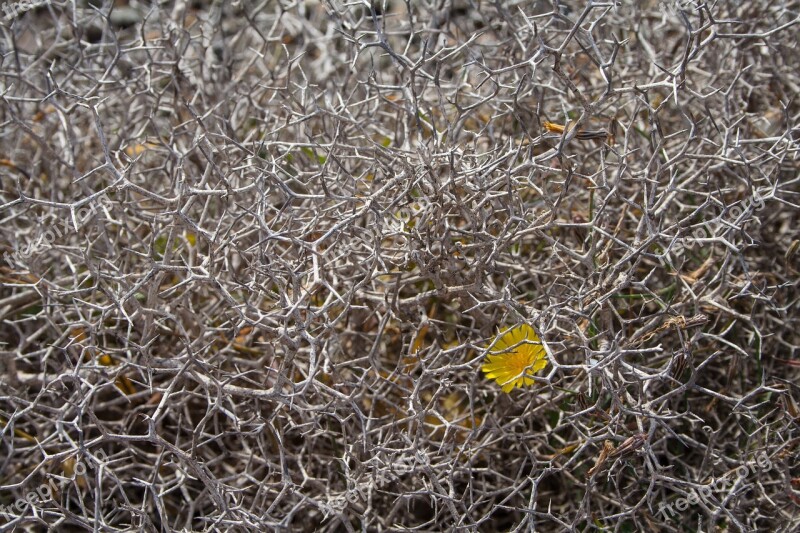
(514, 355)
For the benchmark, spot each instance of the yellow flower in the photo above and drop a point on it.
(515, 353)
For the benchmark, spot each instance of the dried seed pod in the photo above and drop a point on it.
(582, 134)
(679, 362)
(630, 445)
(608, 448)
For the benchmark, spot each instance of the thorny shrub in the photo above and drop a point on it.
(308, 219)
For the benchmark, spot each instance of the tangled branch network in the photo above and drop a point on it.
(370, 265)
